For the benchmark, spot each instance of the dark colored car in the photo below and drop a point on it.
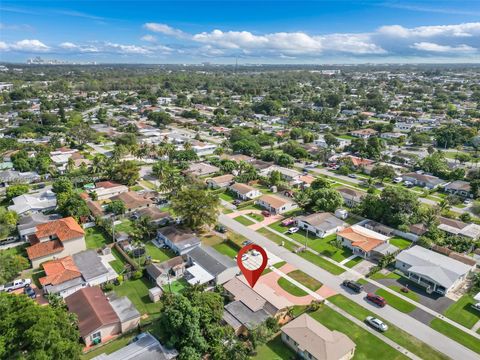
(352, 285)
(378, 300)
(221, 229)
(29, 292)
(266, 213)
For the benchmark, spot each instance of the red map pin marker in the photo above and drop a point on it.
(252, 275)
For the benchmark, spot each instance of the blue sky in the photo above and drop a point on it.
(253, 31)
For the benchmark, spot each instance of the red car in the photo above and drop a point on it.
(378, 300)
(266, 213)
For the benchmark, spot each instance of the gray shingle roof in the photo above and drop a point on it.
(211, 260)
(89, 264)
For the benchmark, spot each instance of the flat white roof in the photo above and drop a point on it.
(199, 275)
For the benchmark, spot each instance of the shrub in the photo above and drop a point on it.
(107, 287)
(137, 275)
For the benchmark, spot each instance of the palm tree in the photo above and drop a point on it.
(289, 313)
(444, 205)
(429, 218)
(302, 199)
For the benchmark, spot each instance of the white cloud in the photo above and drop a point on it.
(432, 47)
(460, 30)
(164, 29)
(127, 49)
(68, 45)
(149, 38)
(3, 46)
(29, 46)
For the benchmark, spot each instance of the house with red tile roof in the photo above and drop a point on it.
(55, 239)
(62, 277)
(365, 242)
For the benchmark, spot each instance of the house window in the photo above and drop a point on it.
(96, 337)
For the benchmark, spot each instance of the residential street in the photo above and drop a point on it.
(403, 321)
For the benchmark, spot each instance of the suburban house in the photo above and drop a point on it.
(180, 240)
(155, 215)
(143, 347)
(10, 176)
(320, 224)
(365, 242)
(436, 272)
(459, 188)
(106, 189)
(100, 318)
(244, 191)
(27, 225)
(364, 133)
(288, 175)
(351, 197)
(201, 169)
(166, 271)
(221, 181)
(55, 239)
(263, 167)
(360, 162)
(206, 265)
(67, 275)
(457, 227)
(320, 142)
(423, 180)
(133, 201)
(33, 203)
(312, 340)
(276, 204)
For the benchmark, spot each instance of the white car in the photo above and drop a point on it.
(292, 230)
(397, 180)
(476, 306)
(376, 323)
(15, 284)
(254, 253)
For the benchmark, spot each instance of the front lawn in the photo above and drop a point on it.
(305, 279)
(394, 333)
(255, 216)
(137, 292)
(95, 238)
(462, 312)
(368, 346)
(456, 334)
(291, 288)
(321, 262)
(396, 302)
(390, 275)
(351, 263)
(226, 196)
(225, 249)
(399, 242)
(327, 248)
(243, 220)
(410, 294)
(158, 254)
(274, 349)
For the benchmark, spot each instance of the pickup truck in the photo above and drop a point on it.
(15, 284)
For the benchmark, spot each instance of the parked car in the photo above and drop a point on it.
(353, 176)
(288, 222)
(246, 242)
(29, 292)
(408, 183)
(220, 228)
(244, 257)
(476, 306)
(358, 288)
(237, 202)
(254, 253)
(266, 213)
(15, 284)
(376, 323)
(467, 201)
(376, 299)
(397, 180)
(292, 230)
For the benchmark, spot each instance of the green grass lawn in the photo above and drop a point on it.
(305, 279)
(456, 334)
(243, 220)
(157, 253)
(399, 242)
(351, 263)
(125, 226)
(321, 262)
(95, 238)
(177, 286)
(211, 239)
(291, 288)
(137, 292)
(119, 263)
(379, 275)
(110, 347)
(147, 184)
(225, 249)
(257, 217)
(395, 301)
(368, 346)
(274, 349)
(226, 196)
(462, 312)
(394, 333)
(411, 294)
(136, 188)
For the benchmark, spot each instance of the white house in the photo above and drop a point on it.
(245, 192)
(320, 224)
(276, 204)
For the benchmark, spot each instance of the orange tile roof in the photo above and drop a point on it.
(41, 249)
(59, 271)
(307, 179)
(366, 243)
(64, 229)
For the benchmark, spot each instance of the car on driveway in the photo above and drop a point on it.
(376, 323)
(292, 230)
(476, 306)
(15, 284)
(376, 299)
(352, 176)
(288, 222)
(266, 213)
(352, 285)
(29, 292)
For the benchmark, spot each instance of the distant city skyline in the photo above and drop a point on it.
(312, 32)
